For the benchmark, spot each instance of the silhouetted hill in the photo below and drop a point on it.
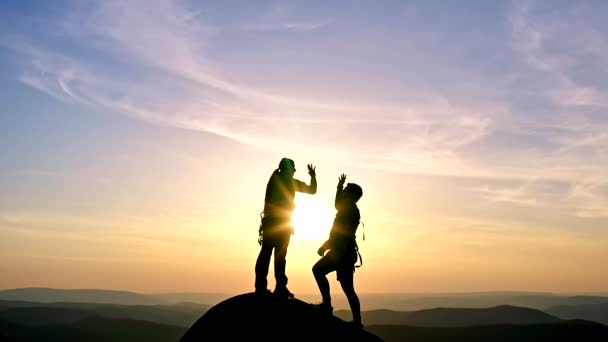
(7, 331)
(7, 304)
(181, 314)
(562, 331)
(35, 316)
(270, 318)
(94, 329)
(593, 312)
(454, 317)
(45, 295)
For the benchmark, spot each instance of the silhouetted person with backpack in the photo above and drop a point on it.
(276, 228)
(342, 250)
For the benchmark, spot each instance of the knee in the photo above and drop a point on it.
(316, 270)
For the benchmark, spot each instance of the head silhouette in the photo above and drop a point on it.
(354, 191)
(288, 166)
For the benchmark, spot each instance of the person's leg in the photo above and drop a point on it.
(324, 266)
(262, 264)
(280, 260)
(347, 282)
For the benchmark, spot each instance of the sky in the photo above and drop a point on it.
(137, 137)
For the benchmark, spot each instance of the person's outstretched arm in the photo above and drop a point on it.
(305, 188)
(340, 190)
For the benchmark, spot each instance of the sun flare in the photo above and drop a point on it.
(312, 218)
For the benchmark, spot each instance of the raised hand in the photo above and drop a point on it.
(341, 180)
(312, 170)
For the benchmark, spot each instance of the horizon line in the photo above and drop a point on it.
(313, 293)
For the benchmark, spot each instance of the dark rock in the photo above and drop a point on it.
(268, 317)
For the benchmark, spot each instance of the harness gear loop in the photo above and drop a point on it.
(359, 254)
(260, 234)
(363, 229)
(357, 246)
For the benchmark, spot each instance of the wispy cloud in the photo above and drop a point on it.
(295, 26)
(430, 130)
(536, 34)
(591, 197)
(158, 63)
(281, 17)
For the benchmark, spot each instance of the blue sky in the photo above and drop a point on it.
(454, 116)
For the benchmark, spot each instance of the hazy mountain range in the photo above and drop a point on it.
(100, 315)
(91, 329)
(454, 317)
(551, 332)
(30, 313)
(48, 295)
(398, 301)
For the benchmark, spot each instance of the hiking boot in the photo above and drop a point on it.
(283, 292)
(356, 324)
(325, 308)
(262, 291)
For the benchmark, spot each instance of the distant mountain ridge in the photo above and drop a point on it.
(455, 317)
(37, 316)
(484, 300)
(52, 295)
(49, 295)
(92, 329)
(182, 314)
(194, 297)
(597, 312)
(577, 330)
(72, 321)
(185, 314)
(161, 307)
(369, 301)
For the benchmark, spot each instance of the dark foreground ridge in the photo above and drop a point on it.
(271, 318)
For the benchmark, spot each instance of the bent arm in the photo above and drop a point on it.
(305, 188)
(339, 196)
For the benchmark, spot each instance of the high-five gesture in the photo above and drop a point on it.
(311, 170)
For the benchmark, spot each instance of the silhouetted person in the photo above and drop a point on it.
(342, 250)
(276, 226)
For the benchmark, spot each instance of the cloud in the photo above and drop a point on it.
(211, 103)
(592, 198)
(280, 16)
(158, 63)
(294, 26)
(537, 34)
(520, 195)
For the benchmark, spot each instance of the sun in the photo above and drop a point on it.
(312, 218)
